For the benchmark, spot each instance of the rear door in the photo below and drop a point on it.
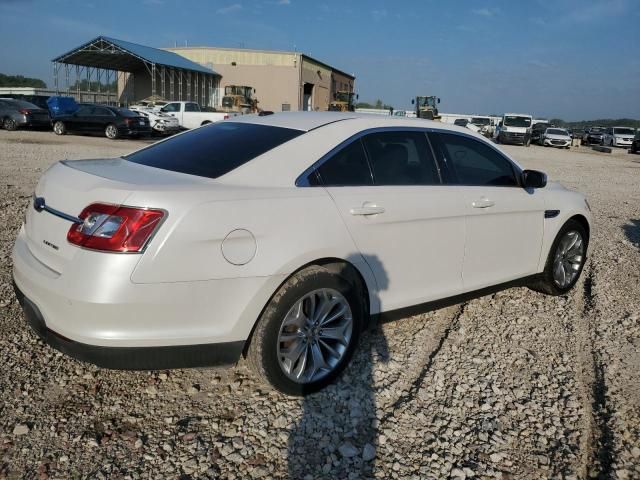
(504, 222)
(80, 121)
(100, 118)
(407, 225)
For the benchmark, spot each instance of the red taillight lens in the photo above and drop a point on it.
(226, 117)
(114, 229)
(24, 111)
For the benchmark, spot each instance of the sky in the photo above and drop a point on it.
(570, 59)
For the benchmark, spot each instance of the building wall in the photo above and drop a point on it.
(278, 78)
(275, 76)
(341, 83)
(319, 76)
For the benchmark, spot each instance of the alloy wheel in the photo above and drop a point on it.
(111, 131)
(568, 259)
(315, 335)
(58, 128)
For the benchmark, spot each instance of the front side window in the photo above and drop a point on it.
(401, 158)
(213, 150)
(473, 163)
(347, 167)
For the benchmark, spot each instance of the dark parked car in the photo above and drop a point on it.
(593, 135)
(18, 113)
(112, 122)
(537, 131)
(461, 122)
(635, 145)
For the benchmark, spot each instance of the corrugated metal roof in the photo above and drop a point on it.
(149, 54)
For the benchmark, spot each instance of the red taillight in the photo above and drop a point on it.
(226, 117)
(128, 121)
(24, 111)
(112, 228)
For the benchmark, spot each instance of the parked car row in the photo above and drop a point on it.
(64, 116)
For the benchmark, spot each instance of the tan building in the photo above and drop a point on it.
(282, 80)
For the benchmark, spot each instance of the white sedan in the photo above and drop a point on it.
(278, 237)
(555, 137)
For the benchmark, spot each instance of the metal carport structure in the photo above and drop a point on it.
(140, 72)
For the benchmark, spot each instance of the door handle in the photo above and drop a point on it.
(483, 203)
(367, 209)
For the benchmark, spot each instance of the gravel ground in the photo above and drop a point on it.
(511, 385)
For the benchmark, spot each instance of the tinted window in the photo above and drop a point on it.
(191, 107)
(347, 167)
(103, 112)
(474, 163)
(85, 111)
(125, 112)
(213, 150)
(401, 158)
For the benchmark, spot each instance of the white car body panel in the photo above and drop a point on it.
(188, 287)
(194, 119)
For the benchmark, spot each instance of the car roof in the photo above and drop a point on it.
(307, 121)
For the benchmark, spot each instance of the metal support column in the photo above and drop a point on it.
(162, 87)
(153, 79)
(180, 85)
(171, 84)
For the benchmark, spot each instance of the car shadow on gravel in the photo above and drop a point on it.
(337, 436)
(632, 231)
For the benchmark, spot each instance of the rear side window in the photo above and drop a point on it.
(474, 163)
(401, 158)
(213, 150)
(348, 167)
(191, 107)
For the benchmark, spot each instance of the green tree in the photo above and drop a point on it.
(20, 81)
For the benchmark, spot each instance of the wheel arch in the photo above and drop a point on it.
(339, 266)
(582, 220)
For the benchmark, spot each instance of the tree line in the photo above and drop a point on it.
(20, 81)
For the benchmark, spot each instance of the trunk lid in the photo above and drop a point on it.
(70, 186)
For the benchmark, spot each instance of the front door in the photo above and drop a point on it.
(407, 225)
(504, 222)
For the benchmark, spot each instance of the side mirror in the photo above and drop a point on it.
(413, 102)
(438, 99)
(357, 96)
(534, 179)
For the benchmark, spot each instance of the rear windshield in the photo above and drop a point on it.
(125, 112)
(22, 104)
(213, 150)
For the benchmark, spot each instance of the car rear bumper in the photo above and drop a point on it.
(94, 312)
(131, 358)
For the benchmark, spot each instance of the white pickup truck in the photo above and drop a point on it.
(190, 115)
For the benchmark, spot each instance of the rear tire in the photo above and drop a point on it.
(111, 131)
(565, 259)
(59, 128)
(286, 325)
(10, 124)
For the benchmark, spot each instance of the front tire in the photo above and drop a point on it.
(565, 261)
(307, 333)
